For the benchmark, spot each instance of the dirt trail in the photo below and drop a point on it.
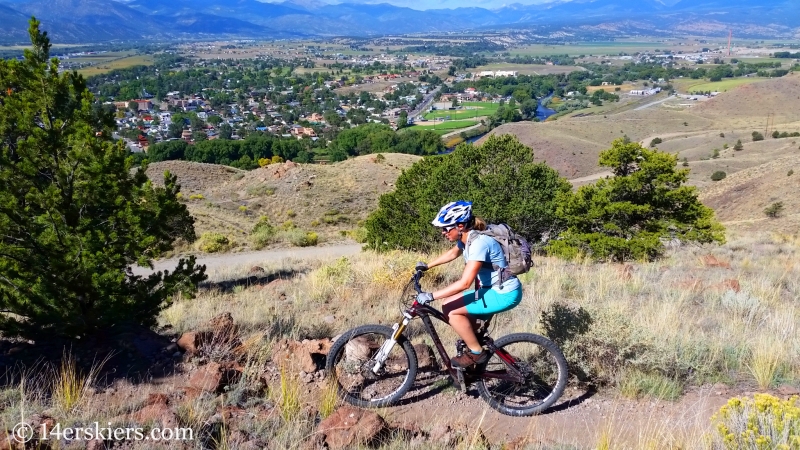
(580, 419)
(253, 258)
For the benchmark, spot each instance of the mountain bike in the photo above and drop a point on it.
(376, 365)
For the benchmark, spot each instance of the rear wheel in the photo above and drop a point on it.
(351, 360)
(544, 371)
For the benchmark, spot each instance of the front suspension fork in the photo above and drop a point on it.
(386, 348)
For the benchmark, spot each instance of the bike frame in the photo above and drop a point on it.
(425, 312)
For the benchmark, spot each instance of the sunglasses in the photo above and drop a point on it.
(447, 229)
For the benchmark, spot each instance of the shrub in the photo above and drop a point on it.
(685, 162)
(718, 175)
(290, 213)
(213, 242)
(263, 233)
(757, 136)
(722, 135)
(243, 208)
(790, 173)
(196, 197)
(359, 234)
(628, 215)
(715, 153)
(499, 177)
(299, 238)
(738, 147)
(260, 190)
(764, 422)
(379, 158)
(774, 210)
(655, 142)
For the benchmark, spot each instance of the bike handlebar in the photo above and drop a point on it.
(416, 277)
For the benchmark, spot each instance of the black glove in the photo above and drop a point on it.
(421, 266)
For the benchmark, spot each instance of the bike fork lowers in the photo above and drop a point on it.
(386, 348)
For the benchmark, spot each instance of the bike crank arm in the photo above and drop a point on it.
(387, 346)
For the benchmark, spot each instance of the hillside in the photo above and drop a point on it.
(741, 198)
(326, 199)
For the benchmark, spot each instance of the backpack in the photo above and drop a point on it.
(516, 249)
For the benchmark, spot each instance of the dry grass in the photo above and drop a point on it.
(325, 199)
(678, 320)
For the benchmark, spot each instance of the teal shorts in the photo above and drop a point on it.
(490, 301)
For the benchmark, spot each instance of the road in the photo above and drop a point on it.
(653, 103)
(228, 260)
(424, 104)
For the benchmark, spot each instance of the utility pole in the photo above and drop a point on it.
(730, 35)
(770, 118)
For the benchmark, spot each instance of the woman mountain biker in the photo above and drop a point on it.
(484, 263)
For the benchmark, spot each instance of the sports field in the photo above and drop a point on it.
(444, 127)
(470, 110)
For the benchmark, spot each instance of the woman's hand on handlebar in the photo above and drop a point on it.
(423, 298)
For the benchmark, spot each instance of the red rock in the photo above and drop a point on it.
(157, 413)
(307, 355)
(207, 378)
(190, 342)
(625, 271)
(713, 261)
(349, 427)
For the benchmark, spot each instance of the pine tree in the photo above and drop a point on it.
(499, 177)
(627, 216)
(73, 216)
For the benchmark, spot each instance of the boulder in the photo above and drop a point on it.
(190, 342)
(349, 427)
(213, 377)
(307, 356)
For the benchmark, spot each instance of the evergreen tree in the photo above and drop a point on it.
(73, 216)
(499, 177)
(627, 216)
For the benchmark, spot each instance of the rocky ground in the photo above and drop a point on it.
(212, 381)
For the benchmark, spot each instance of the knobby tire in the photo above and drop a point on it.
(545, 370)
(351, 357)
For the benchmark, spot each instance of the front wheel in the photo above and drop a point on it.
(351, 360)
(540, 363)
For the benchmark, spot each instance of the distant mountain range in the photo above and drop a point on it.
(103, 20)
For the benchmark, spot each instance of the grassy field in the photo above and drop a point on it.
(472, 110)
(447, 126)
(117, 63)
(719, 86)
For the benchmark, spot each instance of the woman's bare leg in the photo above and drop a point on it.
(456, 313)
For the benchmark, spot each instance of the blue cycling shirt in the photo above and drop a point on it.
(485, 249)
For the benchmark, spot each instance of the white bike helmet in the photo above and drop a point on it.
(453, 213)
